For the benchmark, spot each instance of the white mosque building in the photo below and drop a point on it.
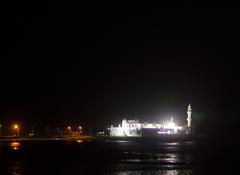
(133, 128)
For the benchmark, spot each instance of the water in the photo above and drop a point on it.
(118, 157)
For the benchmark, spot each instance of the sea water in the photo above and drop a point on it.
(118, 157)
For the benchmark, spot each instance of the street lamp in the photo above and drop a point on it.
(69, 130)
(16, 127)
(80, 130)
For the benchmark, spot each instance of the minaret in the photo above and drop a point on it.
(189, 118)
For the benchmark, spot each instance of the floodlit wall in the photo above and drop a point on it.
(129, 128)
(132, 128)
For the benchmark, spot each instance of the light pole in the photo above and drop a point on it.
(16, 127)
(80, 130)
(69, 130)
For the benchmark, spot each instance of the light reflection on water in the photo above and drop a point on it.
(162, 172)
(169, 143)
(16, 168)
(119, 141)
(15, 145)
(79, 141)
(134, 158)
(171, 158)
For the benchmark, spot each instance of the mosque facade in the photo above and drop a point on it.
(133, 128)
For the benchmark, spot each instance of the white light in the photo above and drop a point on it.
(132, 128)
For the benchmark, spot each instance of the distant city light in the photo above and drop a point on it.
(69, 128)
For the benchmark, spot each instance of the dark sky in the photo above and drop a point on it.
(91, 62)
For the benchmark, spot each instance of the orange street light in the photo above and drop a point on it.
(16, 127)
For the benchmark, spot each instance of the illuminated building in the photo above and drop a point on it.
(130, 128)
(133, 128)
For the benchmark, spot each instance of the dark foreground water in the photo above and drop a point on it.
(118, 157)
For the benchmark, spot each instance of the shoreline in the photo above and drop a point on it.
(165, 138)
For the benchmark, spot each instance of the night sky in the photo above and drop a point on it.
(92, 62)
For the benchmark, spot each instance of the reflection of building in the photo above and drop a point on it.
(133, 128)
